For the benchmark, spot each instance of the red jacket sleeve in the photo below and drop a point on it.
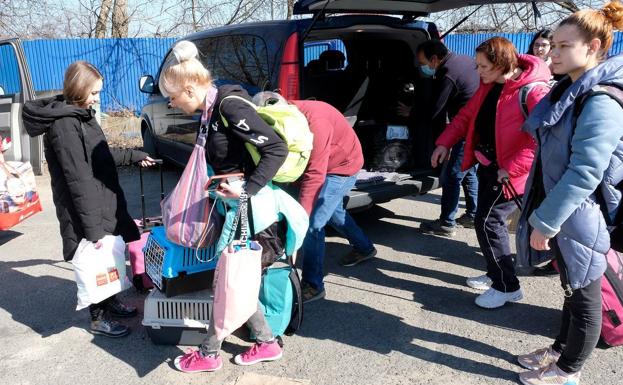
(457, 129)
(316, 172)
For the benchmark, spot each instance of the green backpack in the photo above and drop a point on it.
(291, 125)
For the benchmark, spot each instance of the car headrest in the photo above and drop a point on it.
(333, 58)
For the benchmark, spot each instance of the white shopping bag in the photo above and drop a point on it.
(100, 273)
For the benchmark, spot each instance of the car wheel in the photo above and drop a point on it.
(149, 145)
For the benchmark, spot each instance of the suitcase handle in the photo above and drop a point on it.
(159, 162)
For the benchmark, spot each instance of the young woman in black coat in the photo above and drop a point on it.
(85, 186)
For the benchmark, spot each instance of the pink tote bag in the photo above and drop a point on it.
(237, 279)
(188, 216)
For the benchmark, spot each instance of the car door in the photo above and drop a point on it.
(15, 89)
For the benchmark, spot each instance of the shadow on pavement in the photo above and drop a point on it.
(398, 336)
(406, 238)
(46, 304)
(454, 302)
(8, 235)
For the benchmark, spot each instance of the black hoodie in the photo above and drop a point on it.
(85, 186)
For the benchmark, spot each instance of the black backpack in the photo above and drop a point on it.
(615, 226)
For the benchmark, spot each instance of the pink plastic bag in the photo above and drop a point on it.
(188, 217)
(237, 279)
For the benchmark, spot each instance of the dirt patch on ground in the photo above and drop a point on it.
(123, 131)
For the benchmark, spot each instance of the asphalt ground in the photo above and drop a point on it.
(405, 317)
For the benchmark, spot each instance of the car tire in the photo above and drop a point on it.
(149, 145)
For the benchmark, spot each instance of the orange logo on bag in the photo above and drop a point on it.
(101, 279)
(113, 275)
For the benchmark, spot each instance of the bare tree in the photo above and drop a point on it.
(102, 19)
(290, 5)
(120, 19)
(511, 18)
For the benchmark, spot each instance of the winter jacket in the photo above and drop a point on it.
(455, 83)
(576, 160)
(85, 186)
(226, 152)
(336, 150)
(514, 148)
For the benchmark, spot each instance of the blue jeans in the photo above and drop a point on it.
(329, 209)
(451, 179)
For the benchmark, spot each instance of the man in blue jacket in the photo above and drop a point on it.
(455, 80)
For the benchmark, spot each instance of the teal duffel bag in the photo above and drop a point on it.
(281, 299)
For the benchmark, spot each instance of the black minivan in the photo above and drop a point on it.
(357, 55)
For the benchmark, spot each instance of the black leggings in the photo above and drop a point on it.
(580, 328)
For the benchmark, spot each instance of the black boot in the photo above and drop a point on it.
(116, 308)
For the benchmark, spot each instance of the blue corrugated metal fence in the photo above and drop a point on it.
(121, 61)
(466, 44)
(124, 61)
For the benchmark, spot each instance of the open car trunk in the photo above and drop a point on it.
(413, 7)
(375, 69)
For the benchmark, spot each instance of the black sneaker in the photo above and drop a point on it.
(466, 221)
(109, 328)
(437, 228)
(118, 309)
(310, 294)
(354, 257)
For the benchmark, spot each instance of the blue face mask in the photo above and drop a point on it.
(427, 70)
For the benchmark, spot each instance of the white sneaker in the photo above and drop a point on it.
(492, 298)
(549, 375)
(538, 359)
(482, 282)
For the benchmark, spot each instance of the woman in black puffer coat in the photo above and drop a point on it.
(85, 186)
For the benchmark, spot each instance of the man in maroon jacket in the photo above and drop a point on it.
(331, 173)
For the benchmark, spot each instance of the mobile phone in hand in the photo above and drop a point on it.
(227, 178)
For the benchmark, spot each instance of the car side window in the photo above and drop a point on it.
(208, 51)
(10, 80)
(242, 59)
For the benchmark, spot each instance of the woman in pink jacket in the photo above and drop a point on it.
(491, 124)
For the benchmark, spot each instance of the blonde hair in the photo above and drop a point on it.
(598, 24)
(181, 67)
(79, 79)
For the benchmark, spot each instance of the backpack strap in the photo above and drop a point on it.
(615, 92)
(523, 97)
(232, 97)
(296, 320)
(611, 90)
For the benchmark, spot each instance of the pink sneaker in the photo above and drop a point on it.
(193, 362)
(267, 351)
